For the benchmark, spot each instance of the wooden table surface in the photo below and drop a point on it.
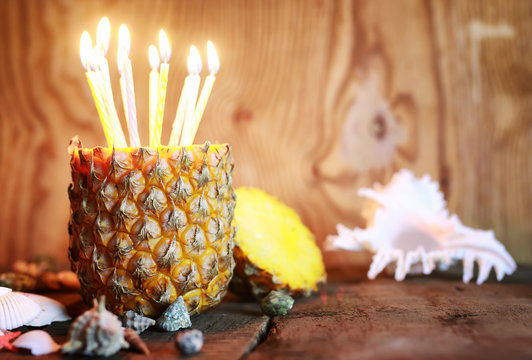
(355, 318)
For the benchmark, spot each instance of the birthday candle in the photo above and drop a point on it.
(214, 64)
(179, 121)
(194, 65)
(164, 48)
(102, 73)
(127, 86)
(85, 50)
(154, 85)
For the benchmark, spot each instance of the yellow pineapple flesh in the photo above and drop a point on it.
(148, 225)
(273, 248)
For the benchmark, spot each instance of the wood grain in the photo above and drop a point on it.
(353, 317)
(298, 78)
(416, 319)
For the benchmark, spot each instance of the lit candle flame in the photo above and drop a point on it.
(194, 61)
(103, 34)
(85, 49)
(212, 58)
(123, 39)
(164, 47)
(153, 56)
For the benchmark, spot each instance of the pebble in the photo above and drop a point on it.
(189, 341)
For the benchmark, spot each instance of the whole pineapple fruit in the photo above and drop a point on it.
(148, 225)
(273, 250)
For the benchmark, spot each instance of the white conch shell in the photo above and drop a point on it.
(96, 332)
(16, 310)
(410, 226)
(52, 310)
(39, 342)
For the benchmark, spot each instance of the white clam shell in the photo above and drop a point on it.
(17, 310)
(39, 342)
(52, 310)
(4, 290)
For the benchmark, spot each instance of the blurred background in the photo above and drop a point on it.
(317, 98)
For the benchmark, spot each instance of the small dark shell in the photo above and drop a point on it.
(276, 303)
(189, 341)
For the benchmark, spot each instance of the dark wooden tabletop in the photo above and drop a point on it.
(354, 318)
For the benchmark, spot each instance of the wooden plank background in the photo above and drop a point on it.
(317, 98)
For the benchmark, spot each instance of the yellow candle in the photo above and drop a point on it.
(214, 64)
(154, 85)
(85, 49)
(177, 127)
(191, 93)
(127, 86)
(102, 37)
(164, 48)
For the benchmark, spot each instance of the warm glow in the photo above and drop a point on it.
(121, 58)
(153, 55)
(85, 49)
(212, 58)
(103, 34)
(123, 39)
(194, 61)
(164, 47)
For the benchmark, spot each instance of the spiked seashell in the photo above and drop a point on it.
(175, 317)
(410, 230)
(16, 310)
(52, 310)
(39, 342)
(96, 332)
(139, 323)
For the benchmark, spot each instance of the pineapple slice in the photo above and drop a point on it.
(273, 249)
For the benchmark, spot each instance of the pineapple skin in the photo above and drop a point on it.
(148, 225)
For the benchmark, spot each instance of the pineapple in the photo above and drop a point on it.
(273, 249)
(148, 225)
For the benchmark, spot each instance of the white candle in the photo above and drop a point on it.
(191, 93)
(127, 86)
(153, 55)
(214, 65)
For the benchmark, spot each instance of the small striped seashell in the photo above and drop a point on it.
(39, 342)
(16, 310)
(139, 323)
(52, 310)
(175, 317)
(96, 332)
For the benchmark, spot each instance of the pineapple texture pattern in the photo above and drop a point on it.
(149, 225)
